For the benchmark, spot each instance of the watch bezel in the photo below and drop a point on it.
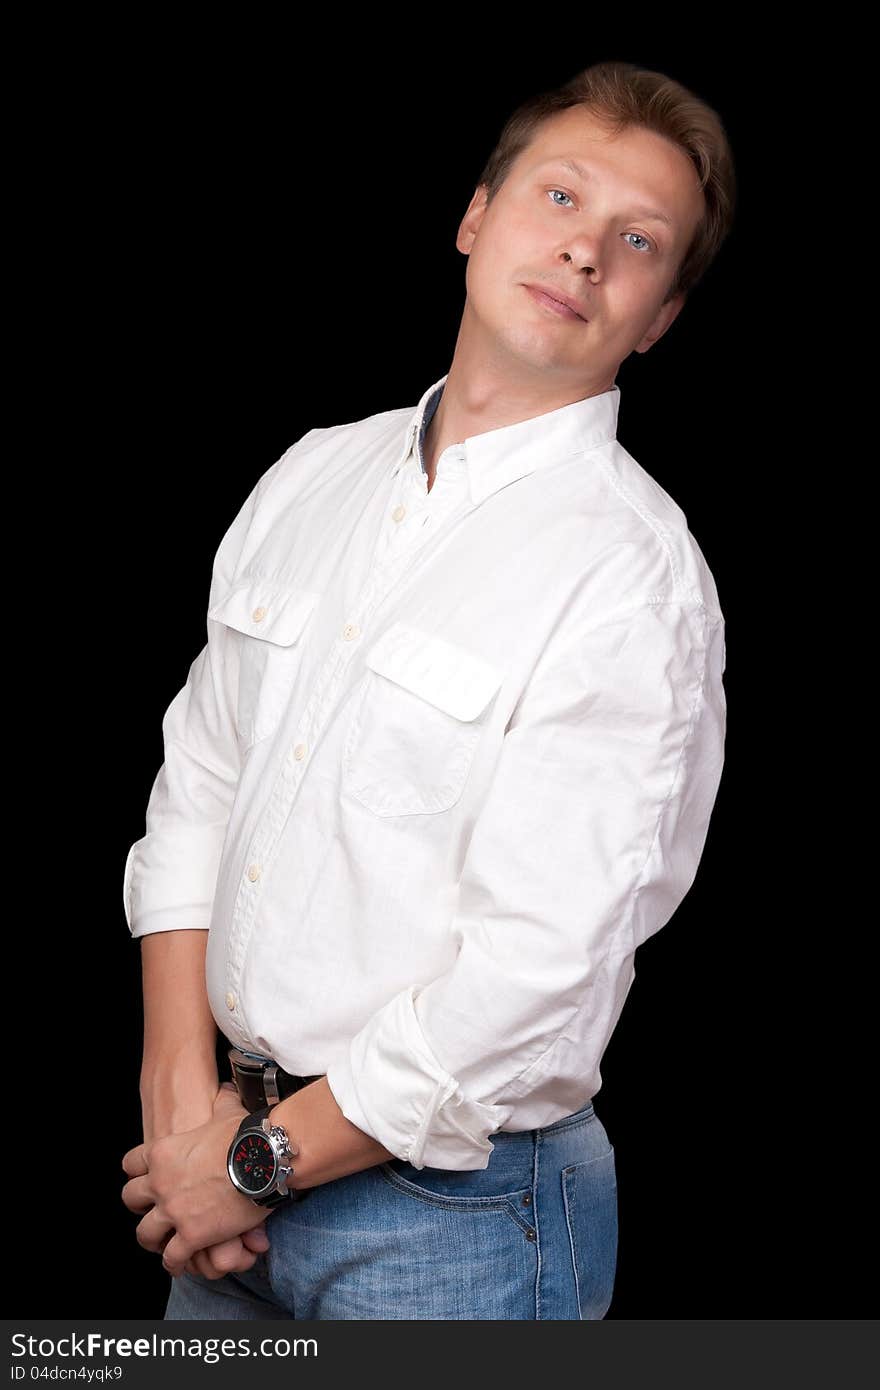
(271, 1186)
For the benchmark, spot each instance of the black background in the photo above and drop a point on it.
(236, 239)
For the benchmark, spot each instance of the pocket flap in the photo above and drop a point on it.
(438, 671)
(260, 608)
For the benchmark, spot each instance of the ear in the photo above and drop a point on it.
(470, 223)
(665, 317)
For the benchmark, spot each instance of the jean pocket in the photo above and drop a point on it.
(269, 620)
(459, 1191)
(416, 722)
(589, 1192)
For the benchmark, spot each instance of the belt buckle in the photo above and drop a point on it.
(270, 1084)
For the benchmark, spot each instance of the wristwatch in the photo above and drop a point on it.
(256, 1160)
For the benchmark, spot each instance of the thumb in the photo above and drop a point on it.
(227, 1097)
(256, 1239)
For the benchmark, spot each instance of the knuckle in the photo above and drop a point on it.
(175, 1209)
(156, 1149)
(164, 1189)
(181, 1224)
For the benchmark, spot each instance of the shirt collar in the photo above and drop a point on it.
(501, 456)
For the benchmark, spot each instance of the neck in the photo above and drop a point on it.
(486, 391)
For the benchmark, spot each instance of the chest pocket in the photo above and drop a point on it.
(416, 722)
(271, 620)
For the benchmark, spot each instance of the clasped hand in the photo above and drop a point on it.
(194, 1216)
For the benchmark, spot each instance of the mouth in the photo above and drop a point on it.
(563, 308)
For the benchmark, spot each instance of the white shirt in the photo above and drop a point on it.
(445, 760)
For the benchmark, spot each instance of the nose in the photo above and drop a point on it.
(586, 261)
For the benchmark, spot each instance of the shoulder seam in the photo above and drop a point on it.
(649, 518)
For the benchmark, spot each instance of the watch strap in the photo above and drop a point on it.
(254, 1120)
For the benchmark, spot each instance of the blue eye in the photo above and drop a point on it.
(648, 244)
(641, 238)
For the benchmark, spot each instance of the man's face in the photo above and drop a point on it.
(622, 261)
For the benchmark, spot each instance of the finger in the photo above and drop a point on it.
(257, 1239)
(215, 1262)
(175, 1255)
(134, 1163)
(153, 1234)
(203, 1263)
(199, 1263)
(230, 1256)
(138, 1194)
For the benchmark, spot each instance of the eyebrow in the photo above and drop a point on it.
(580, 172)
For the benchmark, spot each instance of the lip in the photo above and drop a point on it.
(558, 300)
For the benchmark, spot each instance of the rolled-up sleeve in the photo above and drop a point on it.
(170, 874)
(589, 839)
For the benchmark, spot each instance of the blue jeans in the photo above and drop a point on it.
(533, 1236)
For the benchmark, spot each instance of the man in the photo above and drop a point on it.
(448, 756)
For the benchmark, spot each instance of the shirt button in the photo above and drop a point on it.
(253, 872)
(230, 1000)
(399, 512)
(258, 615)
(350, 631)
(299, 751)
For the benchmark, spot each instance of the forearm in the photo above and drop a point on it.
(330, 1146)
(179, 1080)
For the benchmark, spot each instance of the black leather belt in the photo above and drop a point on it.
(263, 1083)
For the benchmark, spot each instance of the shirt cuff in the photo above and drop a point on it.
(169, 881)
(390, 1084)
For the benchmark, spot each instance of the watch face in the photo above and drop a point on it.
(253, 1163)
